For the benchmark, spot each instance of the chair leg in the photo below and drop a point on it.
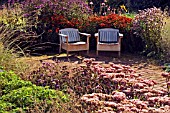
(60, 49)
(67, 54)
(87, 52)
(97, 52)
(118, 53)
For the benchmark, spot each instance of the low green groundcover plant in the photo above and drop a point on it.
(167, 67)
(18, 95)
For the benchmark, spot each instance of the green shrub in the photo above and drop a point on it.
(148, 24)
(5, 106)
(18, 95)
(167, 67)
(5, 78)
(12, 85)
(26, 96)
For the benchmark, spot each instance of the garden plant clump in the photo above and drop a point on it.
(16, 30)
(17, 95)
(115, 87)
(9, 61)
(149, 25)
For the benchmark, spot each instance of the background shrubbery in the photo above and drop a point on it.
(132, 5)
(35, 25)
(149, 25)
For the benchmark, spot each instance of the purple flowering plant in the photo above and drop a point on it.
(148, 24)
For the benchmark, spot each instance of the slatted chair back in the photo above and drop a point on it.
(72, 33)
(108, 35)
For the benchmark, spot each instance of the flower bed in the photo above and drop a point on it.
(104, 88)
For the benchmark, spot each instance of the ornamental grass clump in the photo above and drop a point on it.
(9, 61)
(16, 29)
(148, 24)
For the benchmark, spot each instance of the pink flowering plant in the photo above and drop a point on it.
(116, 88)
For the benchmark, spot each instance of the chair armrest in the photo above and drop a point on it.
(96, 34)
(85, 34)
(88, 36)
(120, 35)
(63, 35)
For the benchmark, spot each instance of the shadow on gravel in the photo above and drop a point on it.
(125, 58)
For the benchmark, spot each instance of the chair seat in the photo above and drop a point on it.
(77, 43)
(108, 43)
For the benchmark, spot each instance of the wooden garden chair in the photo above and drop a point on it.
(108, 39)
(70, 40)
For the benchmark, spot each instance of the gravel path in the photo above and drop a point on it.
(146, 67)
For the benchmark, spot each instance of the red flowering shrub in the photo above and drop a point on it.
(59, 21)
(113, 20)
(93, 23)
